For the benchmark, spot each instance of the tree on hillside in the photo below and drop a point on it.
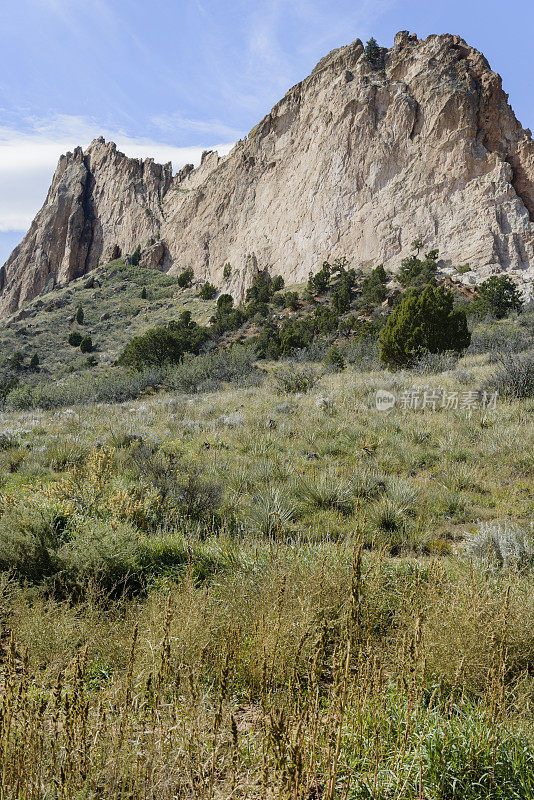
(374, 289)
(165, 345)
(498, 296)
(136, 256)
(319, 283)
(185, 278)
(208, 291)
(373, 52)
(423, 322)
(75, 338)
(86, 345)
(418, 272)
(417, 245)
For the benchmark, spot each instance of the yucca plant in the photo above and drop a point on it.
(403, 494)
(269, 511)
(388, 523)
(368, 483)
(325, 491)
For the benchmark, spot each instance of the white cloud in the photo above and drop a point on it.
(171, 123)
(29, 157)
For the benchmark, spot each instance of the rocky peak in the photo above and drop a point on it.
(358, 159)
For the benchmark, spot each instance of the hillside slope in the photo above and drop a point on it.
(119, 302)
(358, 159)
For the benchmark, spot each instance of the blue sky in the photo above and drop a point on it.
(169, 78)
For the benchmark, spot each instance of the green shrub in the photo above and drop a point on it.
(28, 544)
(80, 315)
(168, 345)
(374, 289)
(514, 376)
(233, 365)
(416, 272)
(102, 554)
(290, 300)
(15, 362)
(294, 380)
(185, 278)
(86, 345)
(182, 491)
(341, 298)
(75, 338)
(319, 282)
(116, 387)
(498, 296)
(208, 291)
(334, 360)
(225, 303)
(155, 347)
(423, 322)
(261, 293)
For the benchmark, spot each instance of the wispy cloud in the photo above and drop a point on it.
(28, 158)
(213, 128)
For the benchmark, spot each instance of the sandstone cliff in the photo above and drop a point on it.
(356, 160)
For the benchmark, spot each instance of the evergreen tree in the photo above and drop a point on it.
(208, 291)
(80, 315)
(334, 360)
(374, 287)
(319, 283)
(136, 256)
(423, 322)
(341, 299)
(416, 272)
(498, 296)
(225, 303)
(373, 53)
(86, 345)
(185, 278)
(417, 245)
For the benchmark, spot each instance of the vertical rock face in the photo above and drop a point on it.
(98, 204)
(356, 160)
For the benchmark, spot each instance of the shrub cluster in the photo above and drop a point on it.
(165, 345)
(423, 322)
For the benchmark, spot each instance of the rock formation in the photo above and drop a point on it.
(359, 159)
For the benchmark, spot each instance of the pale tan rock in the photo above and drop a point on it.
(353, 161)
(154, 256)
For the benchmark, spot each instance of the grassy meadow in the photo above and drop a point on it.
(256, 592)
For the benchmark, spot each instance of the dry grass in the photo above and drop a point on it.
(295, 660)
(316, 671)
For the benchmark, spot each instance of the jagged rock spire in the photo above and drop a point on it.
(356, 160)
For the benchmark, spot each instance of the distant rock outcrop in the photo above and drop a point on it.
(357, 160)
